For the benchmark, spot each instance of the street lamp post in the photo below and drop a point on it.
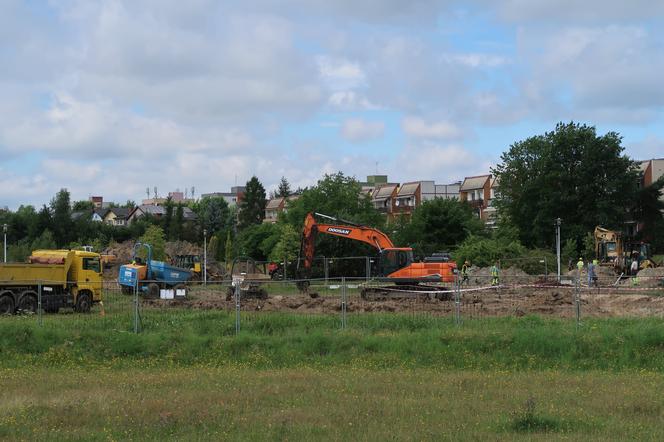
(4, 229)
(205, 257)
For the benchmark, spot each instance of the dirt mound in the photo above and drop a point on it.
(657, 272)
(174, 248)
(122, 251)
(646, 278)
(556, 301)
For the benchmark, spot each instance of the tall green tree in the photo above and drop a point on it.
(284, 189)
(154, 235)
(339, 196)
(44, 221)
(82, 205)
(571, 173)
(167, 220)
(649, 210)
(228, 252)
(62, 222)
(252, 206)
(287, 246)
(335, 195)
(24, 223)
(177, 224)
(213, 213)
(258, 240)
(440, 225)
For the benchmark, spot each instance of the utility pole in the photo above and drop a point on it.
(4, 229)
(205, 257)
(558, 220)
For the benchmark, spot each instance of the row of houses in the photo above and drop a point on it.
(390, 198)
(401, 199)
(480, 191)
(122, 216)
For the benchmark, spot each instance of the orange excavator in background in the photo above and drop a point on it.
(395, 264)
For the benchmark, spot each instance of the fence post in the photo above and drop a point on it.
(457, 300)
(237, 308)
(39, 302)
(285, 267)
(368, 271)
(344, 301)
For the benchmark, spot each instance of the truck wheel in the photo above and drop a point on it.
(153, 290)
(6, 305)
(28, 304)
(83, 303)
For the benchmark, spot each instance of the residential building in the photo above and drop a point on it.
(408, 198)
(176, 197)
(273, 208)
(97, 201)
(448, 191)
(490, 214)
(383, 196)
(652, 171)
(233, 197)
(477, 191)
(94, 214)
(157, 212)
(117, 216)
(373, 181)
(277, 205)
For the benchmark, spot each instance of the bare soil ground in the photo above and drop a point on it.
(549, 301)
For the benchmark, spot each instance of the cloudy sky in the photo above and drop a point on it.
(109, 97)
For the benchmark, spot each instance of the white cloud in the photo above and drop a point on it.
(442, 162)
(417, 127)
(358, 130)
(476, 60)
(99, 130)
(607, 73)
(171, 93)
(350, 101)
(574, 11)
(340, 74)
(651, 146)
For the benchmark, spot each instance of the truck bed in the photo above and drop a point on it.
(29, 274)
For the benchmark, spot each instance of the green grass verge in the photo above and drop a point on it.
(281, 340)
(328, 404)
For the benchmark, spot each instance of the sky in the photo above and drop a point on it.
(111, 97)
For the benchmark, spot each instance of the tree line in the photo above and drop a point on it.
(570, 173)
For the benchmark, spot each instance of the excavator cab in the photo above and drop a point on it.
(391, 260)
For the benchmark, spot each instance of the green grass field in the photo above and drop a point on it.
(295, 377)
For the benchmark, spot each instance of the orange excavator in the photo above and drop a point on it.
(395, 264)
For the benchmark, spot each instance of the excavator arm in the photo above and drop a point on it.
(349, 230)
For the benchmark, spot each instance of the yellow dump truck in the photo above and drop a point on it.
(66, 278)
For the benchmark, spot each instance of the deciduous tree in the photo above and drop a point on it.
(571, 173)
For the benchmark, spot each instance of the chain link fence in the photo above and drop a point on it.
(263, 305)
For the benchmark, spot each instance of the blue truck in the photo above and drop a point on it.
(150, 276)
